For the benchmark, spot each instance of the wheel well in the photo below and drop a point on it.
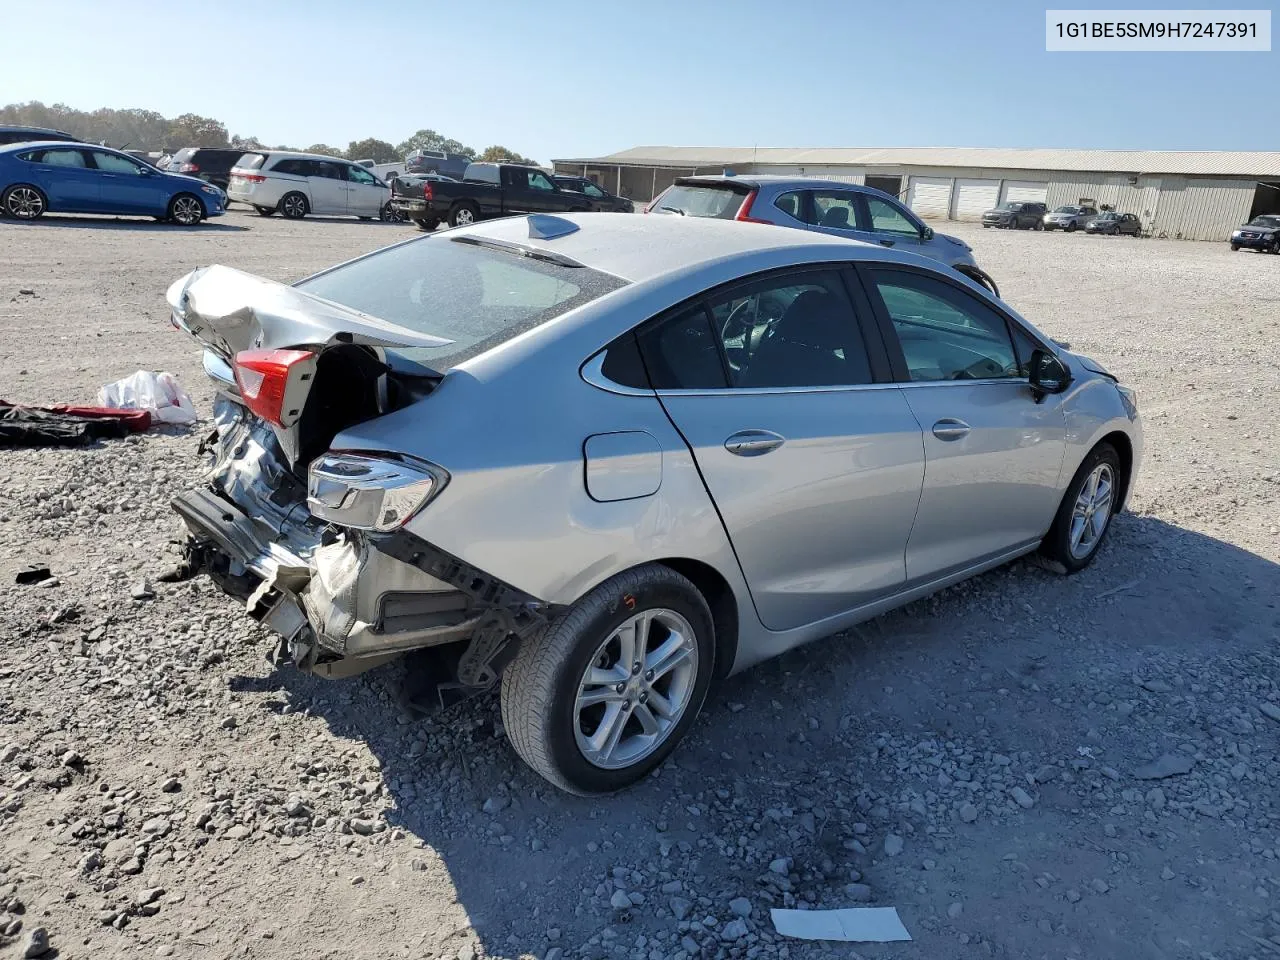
(724, 607)
(1125, 450)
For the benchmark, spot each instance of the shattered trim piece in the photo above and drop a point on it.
(852, 925)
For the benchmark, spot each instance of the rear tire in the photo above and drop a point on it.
(24, 201)
(427, 225)
(265, 211)
(463, 214)
(294, 206)
(186, 210)
(1084, 516)
(588, 736)
(1070, 227)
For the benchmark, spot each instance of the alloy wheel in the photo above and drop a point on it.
(635, 689)
(465, 217)
(1092, 511)
(187, 211)
(294, 206)
(25, 203)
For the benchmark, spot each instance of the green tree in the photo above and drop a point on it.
(371, 148)
(246, 143)
(193, 130)
(430, 140)
(499, 152)
(325, 149)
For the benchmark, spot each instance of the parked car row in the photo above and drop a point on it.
(1029, 215)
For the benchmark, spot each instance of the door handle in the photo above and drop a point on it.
(950, 429)
(887, 243)
(753, 443)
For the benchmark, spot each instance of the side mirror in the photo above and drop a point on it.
(927, 233)
(1048, 374)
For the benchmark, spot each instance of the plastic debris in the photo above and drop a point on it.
(146, 390)
(852, 925)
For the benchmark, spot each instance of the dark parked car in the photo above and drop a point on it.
(1261, 233)
(210, 164)
(488, 190)
(1016, 215)
(1069, 218)
(601, 200)
(13, 134)
(437, 161)
(1113, 223)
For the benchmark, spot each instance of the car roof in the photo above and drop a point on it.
(637, 247)
(10, 127)
(268, 152)
(778, 180)
(28, 144)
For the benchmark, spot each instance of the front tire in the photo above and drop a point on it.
(186, 210)
(1084, 516)
(22, 201)
(602, 696)
(265, 211)
(427, 225)
(294, 206)
(1071, 228)
(463, 215)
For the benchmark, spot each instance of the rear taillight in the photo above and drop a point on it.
(251, 177)
(744, 214)
(427, 193)
(273, 383)
(188, 168)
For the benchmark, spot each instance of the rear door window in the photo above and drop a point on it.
(60, 157)
(835, 209)
(703, 200)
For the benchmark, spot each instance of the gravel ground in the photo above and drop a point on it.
(1025, 765)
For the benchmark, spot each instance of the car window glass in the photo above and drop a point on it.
(330, 171)
(110, 163)
(946, 334)
(886, 218)
(62, 158)
(538, 181)
(361, 175)
(683, 353)
(790, 204)
(591, 190)
(701, 200)
(791, 331)
(834, 209)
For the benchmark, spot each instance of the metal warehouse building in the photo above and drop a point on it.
(1185, 195)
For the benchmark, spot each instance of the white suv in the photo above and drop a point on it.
(300, 183)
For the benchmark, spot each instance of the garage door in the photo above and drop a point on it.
(1026, 191)
(975, 197)
(930, 196)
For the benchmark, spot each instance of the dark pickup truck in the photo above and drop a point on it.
(486, 190)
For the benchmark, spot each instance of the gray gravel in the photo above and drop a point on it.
(975, 760)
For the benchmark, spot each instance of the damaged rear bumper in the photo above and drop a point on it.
(341, 607)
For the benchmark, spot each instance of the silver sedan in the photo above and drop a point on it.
(604, 461)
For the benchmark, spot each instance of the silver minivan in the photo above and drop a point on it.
(841, 209)
(296, 184)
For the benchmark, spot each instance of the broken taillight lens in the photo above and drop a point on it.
(274, 383)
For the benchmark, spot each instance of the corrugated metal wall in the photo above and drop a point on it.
(1202, 209)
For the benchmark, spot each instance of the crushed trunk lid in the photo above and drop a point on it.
(229, 310)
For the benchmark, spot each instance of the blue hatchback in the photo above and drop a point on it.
(84, 178)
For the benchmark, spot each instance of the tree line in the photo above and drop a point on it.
(137, 129)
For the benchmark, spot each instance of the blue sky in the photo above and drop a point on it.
(573, 79)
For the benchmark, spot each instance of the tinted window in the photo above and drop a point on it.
(59, 158)
(791, 204)
(591, 190)
(946, 334)
(112, 163)
(330, 171)
(622, 364)
(295, 167)
(888, 218)
(791, 331)
(683, 353)
(835, 208)
(470, 295)
(702, 200)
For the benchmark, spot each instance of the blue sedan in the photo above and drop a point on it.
(84, 178)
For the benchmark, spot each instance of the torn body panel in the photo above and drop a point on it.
(340, 600)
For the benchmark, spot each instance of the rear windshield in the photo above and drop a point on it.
(252, 161)
(475, 296)
(703, 200)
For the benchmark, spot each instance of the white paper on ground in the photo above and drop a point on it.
(854, 925)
